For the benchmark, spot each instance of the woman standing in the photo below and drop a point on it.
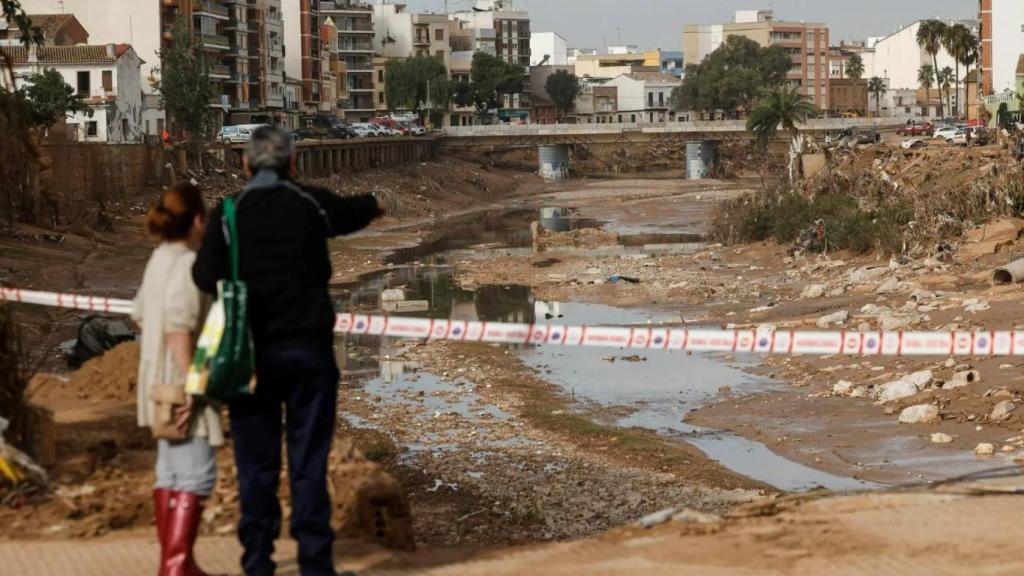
(170, 310)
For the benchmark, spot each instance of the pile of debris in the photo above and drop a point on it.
(947, 189)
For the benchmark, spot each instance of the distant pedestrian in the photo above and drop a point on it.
(169, 308)
(283, 229)
(165, 137)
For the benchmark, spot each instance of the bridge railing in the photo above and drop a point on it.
(702, 126)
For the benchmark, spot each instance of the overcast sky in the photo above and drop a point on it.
(654, 23)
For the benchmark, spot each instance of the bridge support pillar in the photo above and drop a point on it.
(553, 161)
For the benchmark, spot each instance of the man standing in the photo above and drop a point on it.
(283, 230)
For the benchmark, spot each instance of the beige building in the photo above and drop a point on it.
(806, 43)
(597, 104)
(608, 66)
(430, 36)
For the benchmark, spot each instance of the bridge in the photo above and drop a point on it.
(529, 135)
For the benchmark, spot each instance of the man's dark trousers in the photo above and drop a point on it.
(303, 382)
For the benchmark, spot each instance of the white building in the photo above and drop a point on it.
(138, 23)
(548, 48)
(898, 57)
(573, 54)
(644, 96)
(392, 30)
(1002, 44)
(107, 77)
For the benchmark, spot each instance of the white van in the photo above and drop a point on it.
(237, 134)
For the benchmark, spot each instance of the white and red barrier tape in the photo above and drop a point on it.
(764, 341)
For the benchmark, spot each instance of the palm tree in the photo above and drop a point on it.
(855, 67)
(926, 77)
(929, 37)
(957, 41)
(783, 108)
(876, 86)
(945, 81)
(973, 55)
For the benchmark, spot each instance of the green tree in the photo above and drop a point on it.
(957, 41)
(415, 83)
(52, 99)
(926, 78)
(945, 81)
(489, 78)
(876, 86)
(783, 108)
(19, 167)
(855, 67)
(185, 86)
(930, 36)
(563, 87)
(732, 78)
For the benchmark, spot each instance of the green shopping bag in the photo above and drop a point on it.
(222, 368)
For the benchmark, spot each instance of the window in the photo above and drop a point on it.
(91, 128)
(159, 125)
(650, 99)
(124, 128)
(440, 54)
(632, 118)
(147, 127)
(108, 81)
(380, 97)
(439, 34)
(83, 83)
(380, 76)
(661, 98)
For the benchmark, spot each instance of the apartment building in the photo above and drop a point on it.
(596, 104)
(235, 35)
(600, 67)
(352, 22)
(644, 96)
(548, 49)
(1002, 43)
(498, 23)
(311, 55)
(105, 76)
(806, 43)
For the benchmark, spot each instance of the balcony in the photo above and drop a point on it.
(342, 7)
(355, 47)
(238, 25)
(236, 52)
(215, 41)
(210, 9)
(220, 71)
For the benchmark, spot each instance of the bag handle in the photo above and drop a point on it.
(230, 219)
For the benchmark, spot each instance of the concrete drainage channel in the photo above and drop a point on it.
(652, 392)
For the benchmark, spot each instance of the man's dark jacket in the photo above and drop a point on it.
(283, 231)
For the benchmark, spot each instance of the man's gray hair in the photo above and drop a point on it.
(269, 149)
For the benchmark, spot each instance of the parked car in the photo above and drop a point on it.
(959, 137)
(237, 134)
(304, 134)
(328, 126)
(916, 129)
(914, 143)
(364, 130)
(868, 137)
(417, 130)
(944, 133)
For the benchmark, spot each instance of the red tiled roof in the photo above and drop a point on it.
(81, 54)
(51, 24)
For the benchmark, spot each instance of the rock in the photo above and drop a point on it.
(859, 392)
(976, 307)
(984, 449)
(1002, 411)
(961, 379)
(920, 296)
(941, 438)
(813, 291)
(593, 271)
(656, 518)
(919, 414)
(836, 292)
(842, 388)
(889, 286)
(833, 318)
(896, 390)
(949, 363)
(867, 274)
(920, 379)
(688, 516)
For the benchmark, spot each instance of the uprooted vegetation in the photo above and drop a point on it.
(880, 199)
